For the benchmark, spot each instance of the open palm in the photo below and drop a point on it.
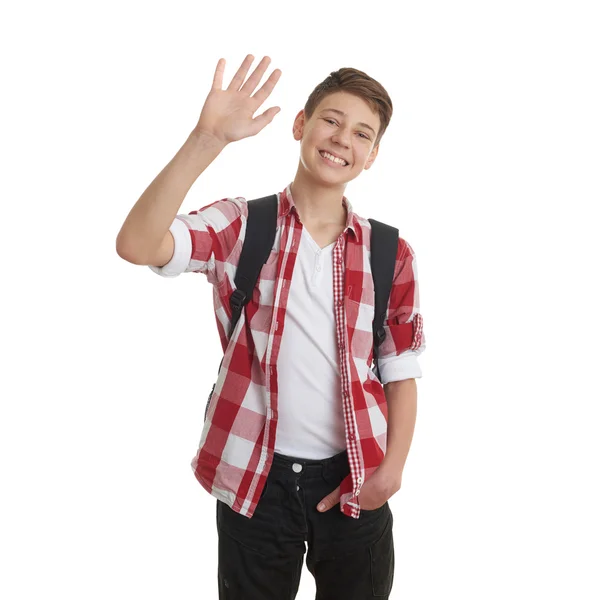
(228, 114)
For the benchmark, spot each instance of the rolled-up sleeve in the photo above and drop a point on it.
(403, 325)
(205, 239)
(397, 368)
(182, 251)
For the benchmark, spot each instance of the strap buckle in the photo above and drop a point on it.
(237, 299)
(380, 336)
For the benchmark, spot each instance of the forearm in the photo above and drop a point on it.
(151, 216)
(401, 399)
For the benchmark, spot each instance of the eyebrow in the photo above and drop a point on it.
(339, 112)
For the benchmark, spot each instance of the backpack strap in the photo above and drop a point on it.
(384, 248)
(261, 227)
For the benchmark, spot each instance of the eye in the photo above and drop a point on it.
(364, 136)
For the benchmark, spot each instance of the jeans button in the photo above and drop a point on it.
(297, 467)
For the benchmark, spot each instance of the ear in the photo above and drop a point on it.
(298, 128)
(372, 157)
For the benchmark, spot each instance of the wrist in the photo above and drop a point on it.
(392, 473)
(207, 139)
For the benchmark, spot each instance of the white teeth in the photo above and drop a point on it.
(333, 158)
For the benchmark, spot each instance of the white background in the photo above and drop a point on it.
(490, 169)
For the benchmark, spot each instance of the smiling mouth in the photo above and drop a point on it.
(333, 162)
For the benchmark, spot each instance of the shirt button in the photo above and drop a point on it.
(297, 467)
(318, 267)
(340, 302)
(359, 480)
(351, 436)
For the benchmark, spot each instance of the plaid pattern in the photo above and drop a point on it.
(237, 442)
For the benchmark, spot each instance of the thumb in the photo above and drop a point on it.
(260, 122)
(330, 500)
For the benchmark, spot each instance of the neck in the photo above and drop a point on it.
(317, 202)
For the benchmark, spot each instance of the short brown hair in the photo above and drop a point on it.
(353, 81)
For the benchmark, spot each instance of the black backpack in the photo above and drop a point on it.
(261, 228)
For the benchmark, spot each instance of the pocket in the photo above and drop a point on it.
(371, 511)
(359, 316)
(334, 475)
(383, 562)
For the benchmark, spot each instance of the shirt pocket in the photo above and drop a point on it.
(359, 321)
(362, 292)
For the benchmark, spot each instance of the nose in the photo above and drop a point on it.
(342, 137)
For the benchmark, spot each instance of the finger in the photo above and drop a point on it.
(260, 122)
(256, 76)
(218, 78)
(267, 88)
(239, 77)
(329, 501)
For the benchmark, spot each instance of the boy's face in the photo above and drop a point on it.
(350, 136)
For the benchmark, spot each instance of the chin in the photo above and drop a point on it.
(333, 181)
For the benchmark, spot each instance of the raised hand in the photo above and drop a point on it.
(228, 114)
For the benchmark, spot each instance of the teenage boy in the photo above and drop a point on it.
(297, 418)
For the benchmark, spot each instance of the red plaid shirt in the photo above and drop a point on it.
(237, 442)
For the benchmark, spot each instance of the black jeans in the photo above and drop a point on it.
(261, 558)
